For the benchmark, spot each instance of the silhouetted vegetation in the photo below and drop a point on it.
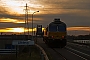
(79, 37)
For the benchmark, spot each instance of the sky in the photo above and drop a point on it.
(75, 13)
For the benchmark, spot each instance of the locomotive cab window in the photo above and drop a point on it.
(61, 28)
(52, 28)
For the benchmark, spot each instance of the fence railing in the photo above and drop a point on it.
(8, 51)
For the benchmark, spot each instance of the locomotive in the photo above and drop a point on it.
(54, 35)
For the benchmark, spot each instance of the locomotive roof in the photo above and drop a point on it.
(57, 21)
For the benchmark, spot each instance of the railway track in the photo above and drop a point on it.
(70, 52)
(79, 50)
(80, 44)
(59, 54)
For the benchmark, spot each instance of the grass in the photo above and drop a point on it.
(34, 55)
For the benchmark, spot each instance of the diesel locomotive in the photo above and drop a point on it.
(54, 35)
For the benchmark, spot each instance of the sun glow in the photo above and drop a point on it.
(17, 30)
(20, 30)
(19, 6)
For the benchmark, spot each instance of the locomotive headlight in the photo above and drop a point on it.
(63, 37)
(52, 36)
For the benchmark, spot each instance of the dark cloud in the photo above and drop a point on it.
(10, 25)
(76, 32)
(66, 4)
(69, 19)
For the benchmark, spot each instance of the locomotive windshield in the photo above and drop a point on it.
(62, 28)
(54, 28)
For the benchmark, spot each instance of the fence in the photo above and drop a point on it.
(8, 51)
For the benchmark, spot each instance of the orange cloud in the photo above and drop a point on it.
(12, 30)
(78, 28)
(11, 20)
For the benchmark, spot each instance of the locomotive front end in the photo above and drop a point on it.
(56, 33)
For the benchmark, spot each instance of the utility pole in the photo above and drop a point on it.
(26, 20)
